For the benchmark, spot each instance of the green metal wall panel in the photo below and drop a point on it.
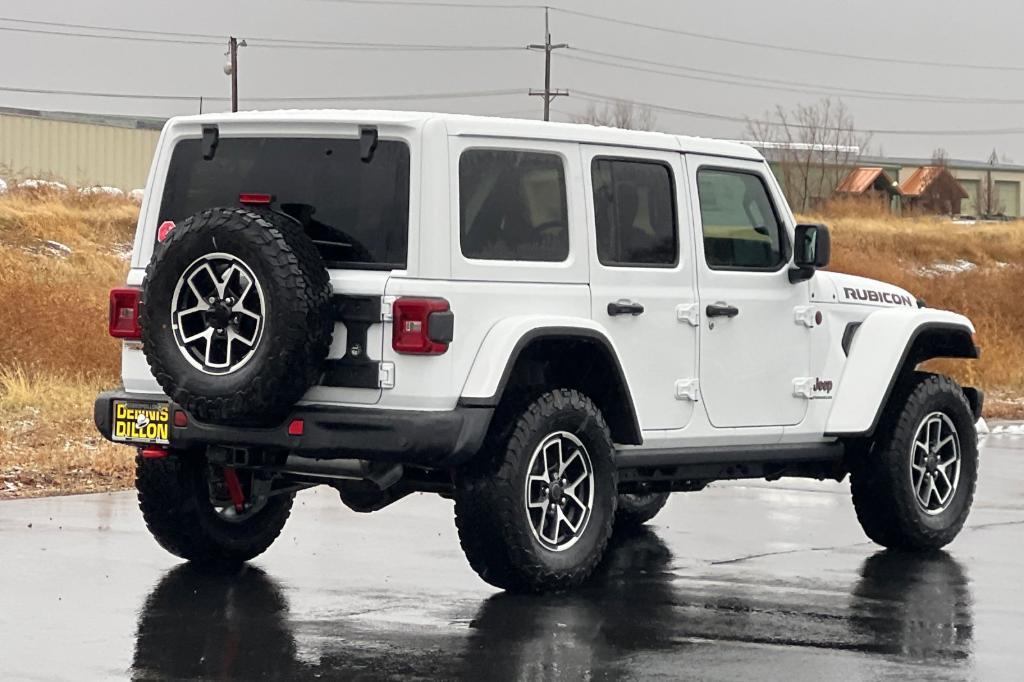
(1008, 194)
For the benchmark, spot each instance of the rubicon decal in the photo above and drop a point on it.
(854, 294)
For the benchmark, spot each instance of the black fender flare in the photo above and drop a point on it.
(628, 431)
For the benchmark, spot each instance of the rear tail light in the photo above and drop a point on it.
(124, 314)
(422, 326)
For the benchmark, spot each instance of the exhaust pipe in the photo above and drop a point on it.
(380, 474)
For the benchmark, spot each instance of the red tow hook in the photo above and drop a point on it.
(153, 452)
(234, 488)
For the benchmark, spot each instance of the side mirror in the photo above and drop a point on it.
(812, 249)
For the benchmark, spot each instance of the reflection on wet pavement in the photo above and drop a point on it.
(741, 581)
(238, 625)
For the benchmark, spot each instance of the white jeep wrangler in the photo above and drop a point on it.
(555, 325)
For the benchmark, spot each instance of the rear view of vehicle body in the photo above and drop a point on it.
(556, 325)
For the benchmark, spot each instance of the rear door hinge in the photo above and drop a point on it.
(688, 389)
(386, 374)
(385, 308)
(689, 313)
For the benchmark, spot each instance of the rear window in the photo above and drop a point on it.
(356, 213)
(513, 206)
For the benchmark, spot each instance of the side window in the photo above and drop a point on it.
(512, 206)
(634, 213)
(741, 229)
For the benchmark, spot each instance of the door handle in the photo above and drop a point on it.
(625, 307)
(721, 309)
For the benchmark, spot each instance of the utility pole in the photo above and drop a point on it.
(547, 93)
(231, 68)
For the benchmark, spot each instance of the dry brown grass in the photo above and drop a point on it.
(54, 350)
(55, 354)
(905, 252)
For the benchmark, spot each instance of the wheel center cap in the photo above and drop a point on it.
(219, 315)
(555, 492)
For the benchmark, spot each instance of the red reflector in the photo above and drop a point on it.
(296, 428)
(153, 453)
(164, 231)
(123, 322)
(180, 419)
(249, 198)
(411, 328)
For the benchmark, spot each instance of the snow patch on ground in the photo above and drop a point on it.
(3, 186)
(62, 250)
(100, 189)
(956, 267)
(1016, 429)
(123, 251)
(33, 183)
(136, 195)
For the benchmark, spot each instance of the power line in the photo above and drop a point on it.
(431, 3)
(776, 84)
(151, 36)
(784, 48)
(599, 98)
(289, 98)
(40, 31)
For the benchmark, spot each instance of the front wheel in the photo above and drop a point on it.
(914, 488)
(189, 510)
(536, 512)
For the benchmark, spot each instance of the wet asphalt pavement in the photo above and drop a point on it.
(741, 581)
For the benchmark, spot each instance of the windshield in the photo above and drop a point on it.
(356, 212)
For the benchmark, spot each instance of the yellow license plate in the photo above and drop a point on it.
(141, 422)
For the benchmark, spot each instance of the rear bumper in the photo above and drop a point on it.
(412, 437)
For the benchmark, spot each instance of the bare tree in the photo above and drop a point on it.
(988, 202)
(813, 147)
(619, 114)
(940, 158)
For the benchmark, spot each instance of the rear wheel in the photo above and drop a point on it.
(914, 488)
(188, 508)
(636, 509)
(536, 513)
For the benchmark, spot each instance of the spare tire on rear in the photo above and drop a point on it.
(235, 315)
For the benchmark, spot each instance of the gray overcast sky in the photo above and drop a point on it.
(980, 32)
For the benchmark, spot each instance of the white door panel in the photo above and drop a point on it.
(656, 348)
(748, 361)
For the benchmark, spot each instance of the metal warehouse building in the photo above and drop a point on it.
(77, 149)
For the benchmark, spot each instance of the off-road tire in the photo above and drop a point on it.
(490, 509)
(297, 322)
(636, 509)
(880, 479)
(175, 502)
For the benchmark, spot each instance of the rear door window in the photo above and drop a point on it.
(357, 213)
(513, 206)
(634, 213)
